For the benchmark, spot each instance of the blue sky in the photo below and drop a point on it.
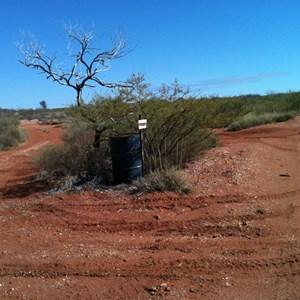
(217, 47)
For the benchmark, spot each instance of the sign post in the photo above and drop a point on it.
(142, 125)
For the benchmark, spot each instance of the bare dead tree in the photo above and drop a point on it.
(87, 61)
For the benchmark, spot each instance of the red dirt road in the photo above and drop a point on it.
(235, 237)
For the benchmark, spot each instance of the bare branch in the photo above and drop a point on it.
(87, 62)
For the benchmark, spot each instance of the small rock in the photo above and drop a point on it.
(151, 290)
(192, 290)
(164, 285)
(244, 223)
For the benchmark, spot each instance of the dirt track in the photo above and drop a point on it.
(235, 237)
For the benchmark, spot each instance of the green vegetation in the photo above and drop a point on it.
(267, 109)
(174, 138)
(251, 119)
(176, 133)
(76, 161)
(166, 180)
(10, 134)
(179, 131)
(49, 116)
(222, 112)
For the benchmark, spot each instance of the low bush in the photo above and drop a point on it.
(76, 162)
(175, 134)
(252, 119)
(168, 180)
(10, 133)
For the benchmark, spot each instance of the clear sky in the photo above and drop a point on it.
(218, 47)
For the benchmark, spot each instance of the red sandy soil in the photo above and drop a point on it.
(235, 237)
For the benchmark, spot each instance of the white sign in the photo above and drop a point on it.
(142, 123)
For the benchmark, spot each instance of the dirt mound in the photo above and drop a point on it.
(235, 237)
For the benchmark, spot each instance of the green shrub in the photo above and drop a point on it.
(277, 103)
(282, 117)
(161, 181)
(252, 119)
(220, 112)
(10, 133)
(76, 159)
(175, 134)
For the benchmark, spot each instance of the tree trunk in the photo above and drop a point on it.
(79, 97)
(98, 134)
(97, 138)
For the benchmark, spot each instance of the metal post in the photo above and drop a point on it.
(142, 148)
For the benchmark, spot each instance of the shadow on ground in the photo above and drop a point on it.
(29, 186)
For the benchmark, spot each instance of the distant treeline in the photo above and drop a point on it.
(32, 114)
(215, 112)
